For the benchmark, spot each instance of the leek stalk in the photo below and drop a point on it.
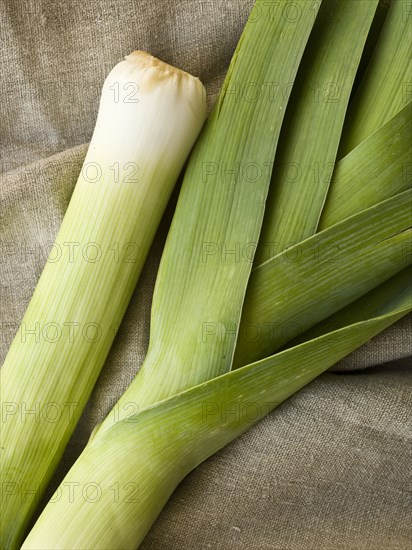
(149, 117)
(217, 204)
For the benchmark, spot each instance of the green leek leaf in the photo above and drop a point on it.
(377, 169)
(310, 281)
(313, 124)
(386, 85)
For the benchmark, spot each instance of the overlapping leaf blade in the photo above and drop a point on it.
(313, 124)
(380, 167)
(297, 289)
(386, 298)
(386, 85)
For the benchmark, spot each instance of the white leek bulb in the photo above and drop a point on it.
(149, 118)
(154, 110)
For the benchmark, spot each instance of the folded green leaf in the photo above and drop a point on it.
(372, 40)
(313, 279)
(377, 169)
(386, 85)
(382, 300)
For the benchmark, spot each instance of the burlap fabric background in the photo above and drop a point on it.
(331, 468)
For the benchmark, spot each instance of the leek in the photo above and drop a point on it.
(218, 203)
(149, 117)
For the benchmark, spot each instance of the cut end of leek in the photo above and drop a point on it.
(145, 61)
(159, 108)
